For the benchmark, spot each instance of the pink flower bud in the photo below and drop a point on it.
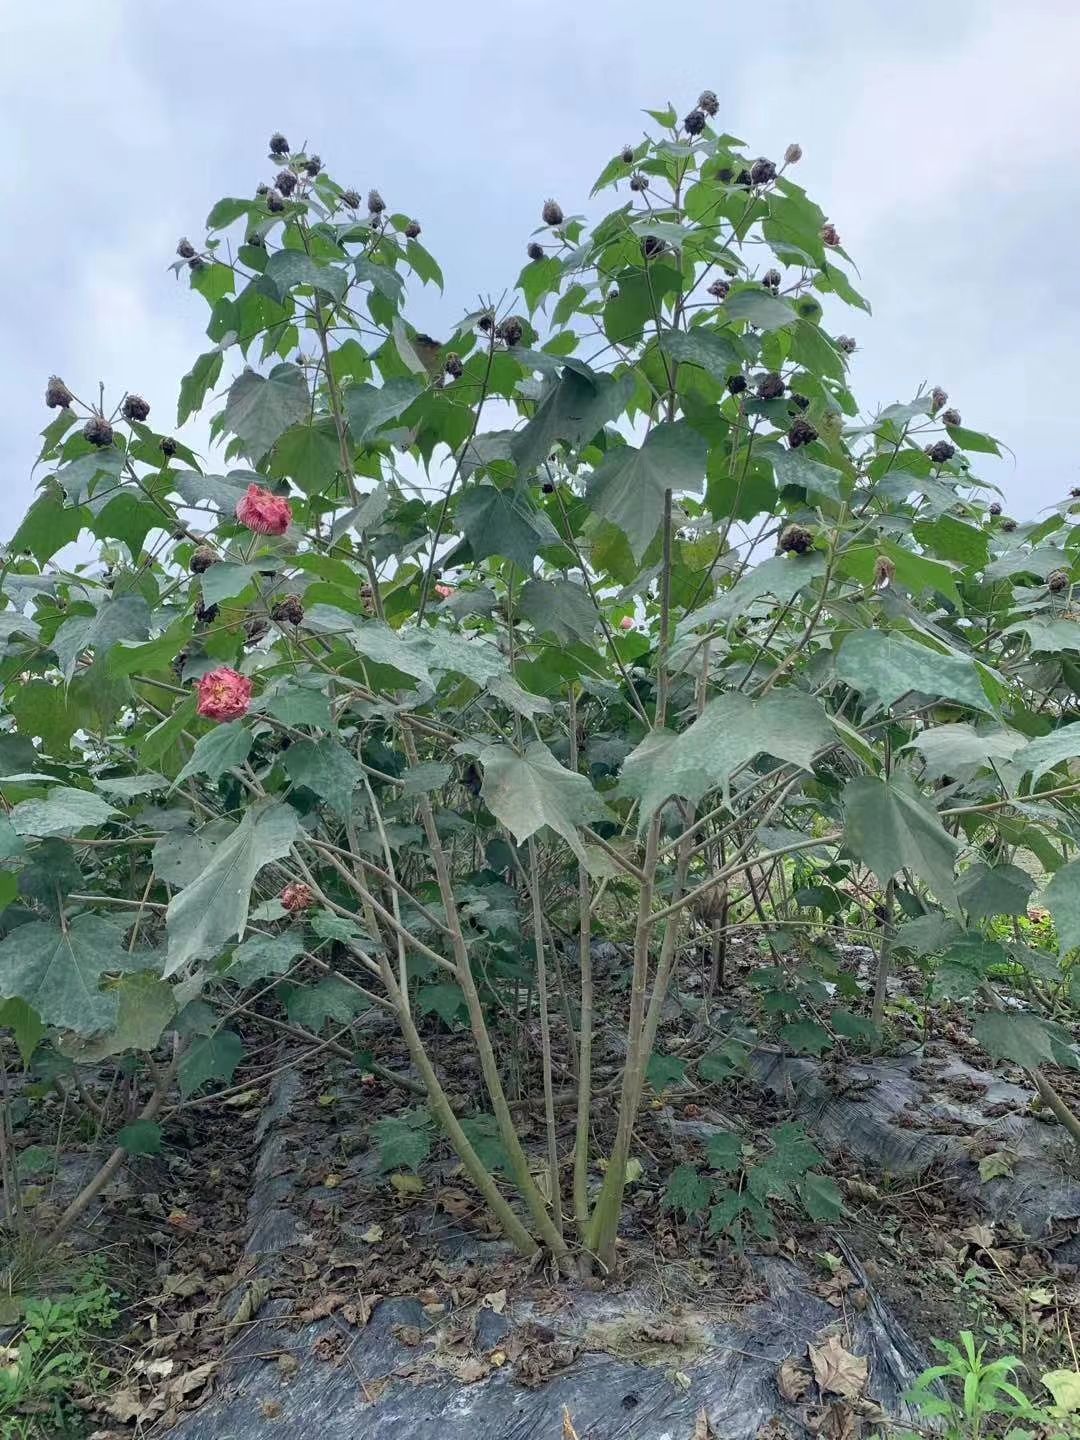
(264, 513)
(445, 591)
(224, 694)
(626, 623)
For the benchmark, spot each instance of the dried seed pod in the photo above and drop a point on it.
(57, 394)
(762, 172)
(135, 408)
(202, 559)
(770, 386)
(98, 431)
(278, 144)
(286, 181)
(185, 249)
(796, 540)
(884, 570)
(708, 102)
(940, 451)
(289, 610)
(1057, 581)
(801, 433)
(694, 123)
(552, 213)
(793, 154)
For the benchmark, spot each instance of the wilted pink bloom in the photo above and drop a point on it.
(626, 623)
(297, 896)
(445, 591)
(224, 694)
(262, 512)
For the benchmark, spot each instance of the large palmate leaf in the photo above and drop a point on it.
(731, 732)
(62, 812)
(125, 618)
(576, 408)
(986, 890)
(628, 488)
(218, 751)
(559, 608)
(214, 906)
(1062, 898)
(1024, 1039)
(370, 409)
(504, 522)
(326, 768)
(262, 407)
(945, 749)
(890, 825)
(526, 792)
(145, 1005)
(1046, 751)
(782, 576)
(58, 971)
(886, 666)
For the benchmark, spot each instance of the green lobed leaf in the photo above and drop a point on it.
(886, 666)
(889, 825)
(528, 791)
(629, 486)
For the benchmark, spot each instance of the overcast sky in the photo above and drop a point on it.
(941, 136)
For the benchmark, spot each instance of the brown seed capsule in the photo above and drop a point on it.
(941, 451)
(763, 171)
(509, 331)
(720, 289)
(289, 610)
(793, 154)
(995, 508)
(694, 123)
(202, 559)
(135, 408)
(801, 433)
(652, 246)
(1008, 525)
(639, 182)
(98, 431)
(185, 249)
(196, 263)
(845, 344)
(771, 280)
(1057, 581)
(830, 235)
(745, 179)
(884, 570)
(278, 144)
(375, 203)
(57, 395)
(167, 446)
(535, 251)
(800, 402)
(626, 154)
(274, 202)
(286, 181)
(950, 417)
(938, 398)
(736, 384)
(770, 386)
(412, 230)
(708, 102)
(206, 614)
(453, 366)
(796, 540)
(312, 165)
(552, 213)
(350, 198)
(262, 188)
(485, 323)
(548, 488)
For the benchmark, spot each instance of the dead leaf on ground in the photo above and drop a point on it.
(836, 1422)
(496, 1301)
(836, 1370)
(702, 1429)
(981, 1236)
(792, 1380)
(995, 1165)
(321, 1308)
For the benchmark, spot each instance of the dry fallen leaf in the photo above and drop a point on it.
(321, 1308)
(981, 1236)
(836, 1370)
(372, 1235)
(702, 1429)
(473, 1369)
(496, 1301)
(792, 1380)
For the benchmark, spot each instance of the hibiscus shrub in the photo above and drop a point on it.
(607, 617)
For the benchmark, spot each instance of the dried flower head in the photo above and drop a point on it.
(224, 694)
